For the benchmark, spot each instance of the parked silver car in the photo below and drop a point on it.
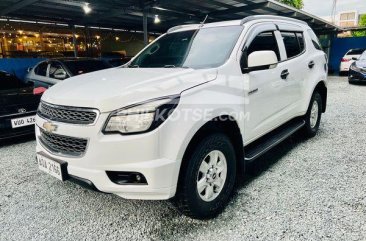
(52, 71)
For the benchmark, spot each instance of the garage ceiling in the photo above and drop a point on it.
(127, 14)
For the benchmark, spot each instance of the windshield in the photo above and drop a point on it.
(363, 56)
(86, 66)
(203, 48)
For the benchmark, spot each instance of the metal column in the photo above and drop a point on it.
(144, 22)
(74, 42)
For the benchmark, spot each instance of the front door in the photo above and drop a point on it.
(265, 88)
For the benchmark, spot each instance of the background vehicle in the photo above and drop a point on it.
(351, 56)
(50, 72)
(18, 105)
(357, 70)
(198, 115)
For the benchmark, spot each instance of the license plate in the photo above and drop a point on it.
(24, 121)
(53, 167)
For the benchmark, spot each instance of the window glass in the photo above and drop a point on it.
(57, 71)
(8, 81)
(77, 67)
(41, 69)
(363, 56)
(203, 48)
(264, 41)
(300, 38)
(291, 44)
(315, 40)
(355, 51)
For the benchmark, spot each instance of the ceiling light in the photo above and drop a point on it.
(86, 8)
(156, 19)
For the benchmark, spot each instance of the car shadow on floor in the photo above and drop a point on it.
(16, 140)
(265, 162)
(358, 83)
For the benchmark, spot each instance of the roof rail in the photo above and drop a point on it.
(270, 17)
(179, 27)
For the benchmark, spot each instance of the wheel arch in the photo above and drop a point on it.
(321, 88)
(224, 124)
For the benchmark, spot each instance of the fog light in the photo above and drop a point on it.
(127, 178)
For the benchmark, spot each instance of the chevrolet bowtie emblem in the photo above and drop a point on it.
(49, 127)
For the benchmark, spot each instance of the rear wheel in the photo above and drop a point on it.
(207, 179)
(313, 116)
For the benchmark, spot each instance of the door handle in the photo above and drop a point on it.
(284, 74)
(253, 91)
(311, 64)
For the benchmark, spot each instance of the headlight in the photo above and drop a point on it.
(354, 67)
(142, 117)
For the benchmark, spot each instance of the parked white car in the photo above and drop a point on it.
(52, 71)
(184, 116)
(348, 59)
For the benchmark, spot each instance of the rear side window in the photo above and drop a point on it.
(315, 40)
(264, 41)
(41, 69)
(292, 44)
(355, 52)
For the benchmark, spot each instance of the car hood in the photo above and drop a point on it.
(361, 63)
(111, 89)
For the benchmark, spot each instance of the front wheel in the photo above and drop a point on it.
(313, 116)
(207, 179)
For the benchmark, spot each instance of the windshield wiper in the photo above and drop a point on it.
(169, 66)
(133, 66)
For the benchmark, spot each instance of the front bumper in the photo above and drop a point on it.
(134, 153)
(355, 76)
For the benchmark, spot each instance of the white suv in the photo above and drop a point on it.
(184, 116)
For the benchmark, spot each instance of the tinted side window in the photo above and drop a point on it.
(8, 81)
(291, 44)
(355, 52)
(264, 41)
(300, 38)
(315, 40)
(41, 69)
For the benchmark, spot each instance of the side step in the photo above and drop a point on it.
(270, 140)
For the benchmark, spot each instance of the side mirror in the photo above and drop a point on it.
(354, 58)
(29, 69)
(262, 60)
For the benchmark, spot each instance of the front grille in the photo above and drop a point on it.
(66, 114)
(64, 145)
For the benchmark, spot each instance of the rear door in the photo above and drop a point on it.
(297, 64)
(40, 75)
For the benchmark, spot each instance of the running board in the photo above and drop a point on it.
(272, 139)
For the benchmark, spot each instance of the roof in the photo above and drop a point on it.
(128, 14)
(237, 22)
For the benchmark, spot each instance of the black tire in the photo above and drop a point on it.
(309, 130)
(187, 199)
